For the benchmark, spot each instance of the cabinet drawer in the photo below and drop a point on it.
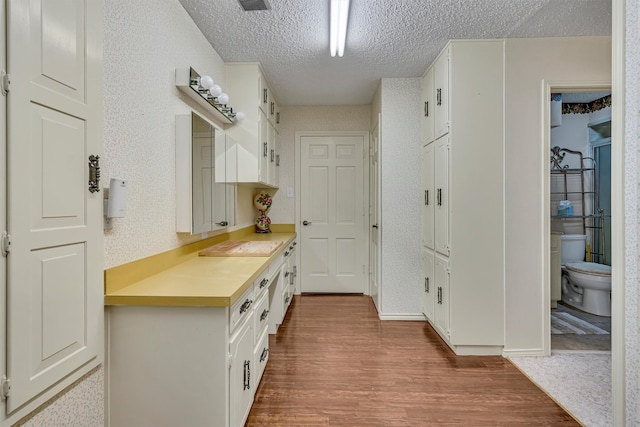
(261, 316)
(260, 358)
(241, 309)
(261, 284)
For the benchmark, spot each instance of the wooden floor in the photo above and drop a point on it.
(333, 363)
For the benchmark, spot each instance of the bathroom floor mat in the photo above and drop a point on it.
(566, 323)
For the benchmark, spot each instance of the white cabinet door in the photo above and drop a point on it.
(441, 182)
(273, 109)
(276, 181)
(441, 80)
(442, 295)
(272, 155)
(428, 107)
(54, 269)
(429, 291)
(263, 94)
(242, 365)
(264, 148)
(428, 203)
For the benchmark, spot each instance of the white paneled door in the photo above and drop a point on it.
(54, 270)
(334, 248)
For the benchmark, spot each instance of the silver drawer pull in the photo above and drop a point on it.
(264, 314)
(245, 305)
(263, 283)
(264, 354)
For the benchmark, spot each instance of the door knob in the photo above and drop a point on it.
(306, 222)
(374, 226)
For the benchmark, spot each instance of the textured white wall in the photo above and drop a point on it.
(308, 118)
(144, 42)
(83, 405)
(400, 178)
(528, 62)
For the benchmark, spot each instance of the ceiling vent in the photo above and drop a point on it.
(252, 5)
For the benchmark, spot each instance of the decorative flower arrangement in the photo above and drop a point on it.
(262, 202)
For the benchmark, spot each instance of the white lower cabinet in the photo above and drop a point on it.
(429, 292)
(260, 358)
(241, 387)
(281, 292)
(191, 366)
(441, 284)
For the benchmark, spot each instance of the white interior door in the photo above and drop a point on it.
(374, 231)
(332, 208)
(54, 270)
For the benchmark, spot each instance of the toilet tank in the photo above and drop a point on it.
(573, 248)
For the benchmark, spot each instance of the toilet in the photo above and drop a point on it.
(585, 285)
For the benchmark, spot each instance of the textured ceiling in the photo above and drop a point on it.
(385, 38)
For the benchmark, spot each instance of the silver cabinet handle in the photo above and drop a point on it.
(306, 222)
(246, 377)
(222, 223)
(245, 305)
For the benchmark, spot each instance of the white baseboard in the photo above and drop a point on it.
(523, 352)
(402, 316)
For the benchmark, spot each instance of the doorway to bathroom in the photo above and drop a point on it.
(580, 220)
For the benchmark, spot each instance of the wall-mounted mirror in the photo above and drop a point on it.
(205, 201)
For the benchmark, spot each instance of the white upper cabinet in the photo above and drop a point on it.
(250, 93)
(428, 107)
(441, 92)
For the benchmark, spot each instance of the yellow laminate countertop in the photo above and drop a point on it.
(200, 280)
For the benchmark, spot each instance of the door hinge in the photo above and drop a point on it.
(230, 360)
(6, 387)
(4, 84)
(6, 243)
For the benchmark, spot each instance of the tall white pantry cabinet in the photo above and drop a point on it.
(463, 200)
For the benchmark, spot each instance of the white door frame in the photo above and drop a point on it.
(365, 176)
(376, 129)
(617, 233)
(618, 221)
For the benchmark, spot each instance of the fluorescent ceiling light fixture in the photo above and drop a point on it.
(339, 18)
